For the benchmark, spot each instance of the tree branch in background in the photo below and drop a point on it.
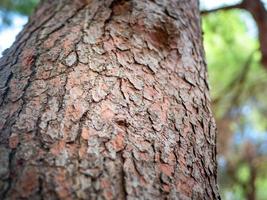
(236, 6)
(236, 82)
(257, 10)
(241, 81)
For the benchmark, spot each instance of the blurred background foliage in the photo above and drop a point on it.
(238, 84)
(9, 7)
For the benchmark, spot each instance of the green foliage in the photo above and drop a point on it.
(243, 173)
(235, 193)
(24, 7)
(235, 73)
(7, 7)
(261, 185)
(238, 89)
(227, 49)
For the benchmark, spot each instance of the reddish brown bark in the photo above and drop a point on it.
(107, 100)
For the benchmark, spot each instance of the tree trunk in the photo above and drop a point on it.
(107, 100)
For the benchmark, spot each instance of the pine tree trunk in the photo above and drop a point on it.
(107, 100)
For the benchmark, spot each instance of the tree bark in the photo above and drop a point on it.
(107, 100)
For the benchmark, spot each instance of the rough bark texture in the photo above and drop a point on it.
(107, 100)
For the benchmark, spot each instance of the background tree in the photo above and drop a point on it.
(238, 91)
(107, 99)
